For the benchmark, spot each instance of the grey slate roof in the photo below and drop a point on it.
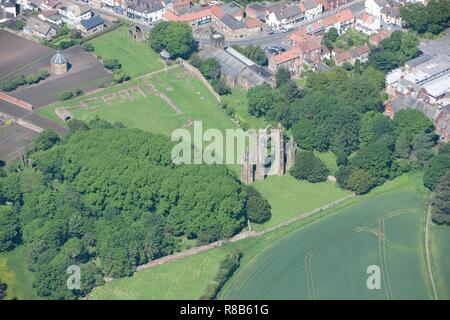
(232, 23)
(283, 11)
(233, 68)
(408, 102)
(93, 22)
(38, 26)
(257, 6)
(309, 4)
(419, 60)
(58, 58)
(143, 6)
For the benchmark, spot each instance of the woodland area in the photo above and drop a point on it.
(108, 199)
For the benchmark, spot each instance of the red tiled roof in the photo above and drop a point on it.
(217, 11)
(252, 23)
(331, 20)
(366, 18)
(345, 15)
(342, 57)
(378, 37)
(304, 42)
(362, 50)
(287, 56)
(170, 16)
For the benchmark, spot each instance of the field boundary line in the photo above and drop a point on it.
(427, 252)
(239, 236)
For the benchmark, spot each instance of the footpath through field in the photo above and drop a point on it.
(240, 236)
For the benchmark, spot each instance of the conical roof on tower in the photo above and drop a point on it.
(58, 58)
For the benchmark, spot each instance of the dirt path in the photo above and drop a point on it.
(427, 251)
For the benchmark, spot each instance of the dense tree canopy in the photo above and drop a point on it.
(114, 196)
(440, 203)
(308, 167)
(394, 51)
(433, 18)
(175, 37)
(254, 53)
(435, 169)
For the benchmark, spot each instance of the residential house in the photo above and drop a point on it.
(308, 46)
(253, 26)
(333, 4)
(9, 8)
(376, 38)
(342, 21)
(49, 4)
(374, 7)
(232, 9)
(36, 27)
(256, 11)
(290, 60)
(195, 19)
(341, 57)
(50, 16)
(73, 14)
(91, 26)
(148, 11)
(390, 14)
(180, 6)
(311, 8)
(231, 27)
(367, 24)
(280, 14)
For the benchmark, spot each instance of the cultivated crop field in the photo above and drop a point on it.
(440, 247)
(328, 259)
(136, 57)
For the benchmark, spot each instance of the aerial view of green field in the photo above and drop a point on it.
(136, 57)
(328, 259)
(325, 256)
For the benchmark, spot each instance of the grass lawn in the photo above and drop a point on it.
(351, 38)
(237, 100)
(14, 273)
(137, 58)
(440, 247)
(329, 158)
(152, 113)
(290, 197)
(181, 279)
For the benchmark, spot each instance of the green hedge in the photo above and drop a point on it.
(227, 268)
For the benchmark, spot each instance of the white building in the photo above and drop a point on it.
(367, 24)
(73, 14)
(148, 11)
(9, 8)
(374, 7)
(311, 9)
(280, 14)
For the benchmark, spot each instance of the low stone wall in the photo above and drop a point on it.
(199, 75)
(15, 101)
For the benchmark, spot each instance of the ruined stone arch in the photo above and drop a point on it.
(136, 32)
